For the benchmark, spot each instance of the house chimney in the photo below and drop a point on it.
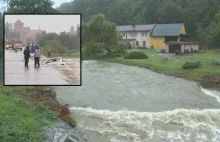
(133, 27)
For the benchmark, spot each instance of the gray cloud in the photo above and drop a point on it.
(49, 23)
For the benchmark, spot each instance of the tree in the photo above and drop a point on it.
(195, 14)
(99, 34)
(55, 47)
(1, 35)
(72, 31)
(66, 7)
(213, 31)
(78, 30)
(30, 6)
(41, 39)
(7, 31)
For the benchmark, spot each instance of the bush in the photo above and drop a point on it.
(152, 47)
(136, 55)
(128, 45)
(141, 47)
(177, 52)
(113, 54)
(120, 48)
(192, 65)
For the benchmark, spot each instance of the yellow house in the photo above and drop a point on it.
(162, 33)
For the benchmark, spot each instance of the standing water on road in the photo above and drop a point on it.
(119, 103)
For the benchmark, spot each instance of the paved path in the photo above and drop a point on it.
(17, 74)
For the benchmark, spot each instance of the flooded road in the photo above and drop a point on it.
(119, 103)
(17, 74)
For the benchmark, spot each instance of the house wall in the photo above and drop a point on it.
(166, 47)
(157, 42)
(139, 37)
(194, 46)
(183, 31)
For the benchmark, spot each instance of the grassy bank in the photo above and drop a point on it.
(173, 66)
(25, 110)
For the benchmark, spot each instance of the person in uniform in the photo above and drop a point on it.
(26, 56)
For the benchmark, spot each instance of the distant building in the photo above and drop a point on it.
(25, 32)
(169, 37)
(137, 35)
(72, 31)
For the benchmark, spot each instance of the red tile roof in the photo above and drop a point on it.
(18, 22)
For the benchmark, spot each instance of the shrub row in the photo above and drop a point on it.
(136, 55)
(192, 65)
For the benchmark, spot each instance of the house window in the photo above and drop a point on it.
(144, 43)
(137, 44)
(144, 33)
(134, 34)
(123, 34)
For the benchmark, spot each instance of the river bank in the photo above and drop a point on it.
(34, 114)
(71, 69)
(208, 76)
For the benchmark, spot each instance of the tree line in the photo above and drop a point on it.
(10, 34)
(201, 17)
(59, 43)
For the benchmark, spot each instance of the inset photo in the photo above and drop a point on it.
(42, 49)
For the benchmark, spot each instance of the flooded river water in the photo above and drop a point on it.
(120, 103)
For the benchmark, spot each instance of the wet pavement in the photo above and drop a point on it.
(17, 74)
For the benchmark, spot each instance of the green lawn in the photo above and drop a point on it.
(19, 122)
(173, 66)
(209, 54)
(24, 111)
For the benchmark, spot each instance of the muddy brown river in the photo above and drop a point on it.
(120, 103)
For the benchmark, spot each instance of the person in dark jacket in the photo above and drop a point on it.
(26, 56)
(49, 54)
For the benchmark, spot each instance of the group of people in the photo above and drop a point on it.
(37, 56)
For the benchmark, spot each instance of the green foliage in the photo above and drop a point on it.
(213, 31)
(30, 6)
(54, 46)
(129, 45)
(136, 55)
(177, 52)
(192, 65)
(124, 12)
(98, 35)
(113, 55)
(1, 35)
(152, 47)
(120, 48)
(164, 59)
(19, 122)
(47, 113)
(74, 121)
(141, 47)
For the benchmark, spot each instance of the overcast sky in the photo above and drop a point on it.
(57, 3)
(49, 23)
